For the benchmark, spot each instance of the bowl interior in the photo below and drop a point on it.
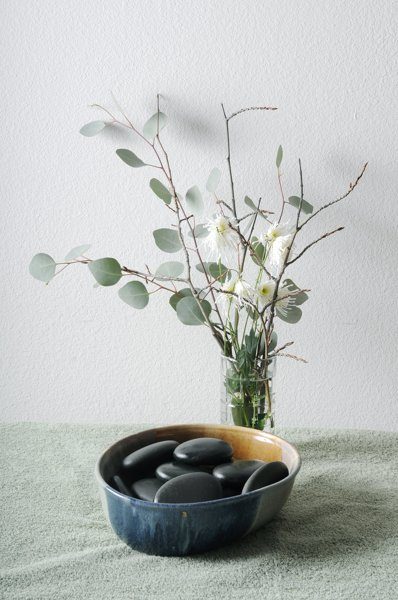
(246, 443)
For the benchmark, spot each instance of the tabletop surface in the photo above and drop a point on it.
(335, 538)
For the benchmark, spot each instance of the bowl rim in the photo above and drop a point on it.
(180, 506)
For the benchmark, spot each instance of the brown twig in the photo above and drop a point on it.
(325, 235)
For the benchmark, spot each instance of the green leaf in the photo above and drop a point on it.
(189, 313)
(170, 269)
(42, 267)
(306, 207)
(213, 180)
(298, 299)
(106, 271)
(135, 294)
(279, 156)
(167, 240)
(249, 202)
(130, 158)
(160, 190)
(77, 251)
(92, 128)
(175, 298)
(293, 314)
(259, 249)
(216, 270)
(151, 129)
(200, 231)
(273, 341)
(194, 200)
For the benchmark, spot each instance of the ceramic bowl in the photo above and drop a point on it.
(180, 529)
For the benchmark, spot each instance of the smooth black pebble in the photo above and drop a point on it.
(146, 488)
(270, 473)
(203, 451)
(120, 486)
(228, 492)
(192, 487)
(235, 474)
(169, 470)
(145, 460)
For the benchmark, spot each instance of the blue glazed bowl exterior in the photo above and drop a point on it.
(181, 529)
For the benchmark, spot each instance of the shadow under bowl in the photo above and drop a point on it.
(181, 529)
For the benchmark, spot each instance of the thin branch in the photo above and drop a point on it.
(231, 179)
(298, 358)
(283, 347)
(351, 188)
(325, 235)
(242, 110)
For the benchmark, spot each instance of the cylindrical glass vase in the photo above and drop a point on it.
(247, 394)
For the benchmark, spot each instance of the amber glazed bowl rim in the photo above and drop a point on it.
(233, 499)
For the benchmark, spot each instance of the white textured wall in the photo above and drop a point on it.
(74, 353)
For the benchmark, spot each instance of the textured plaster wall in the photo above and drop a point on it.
(74, 353)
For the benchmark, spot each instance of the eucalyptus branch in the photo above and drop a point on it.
(325, 235)
(286, 258)
(251, 233)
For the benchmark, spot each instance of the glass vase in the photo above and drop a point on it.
(247, 395)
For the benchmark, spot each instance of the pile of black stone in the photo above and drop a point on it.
(197, 470)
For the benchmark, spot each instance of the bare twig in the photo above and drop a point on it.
(298, 358)
(283, 347)
(325, 235)
(351, 188)
(242, 110)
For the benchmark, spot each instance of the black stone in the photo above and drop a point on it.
(235, 474)
(228, 492)
(192, 487)
(203, 451)
(169, 470)
(146, 489)
(120, 485)
(266, 475)
(145, 460)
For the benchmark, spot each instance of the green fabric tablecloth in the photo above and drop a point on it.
(335, 538)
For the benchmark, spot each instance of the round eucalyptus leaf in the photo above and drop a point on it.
(291, 315)
(135, 294)
(170, 269)
(42, 267)
(189, 313)
(194, 200)
(175, 298)
(216, 270)
(77, 251)
(279, 156)
(130, 158)
(306, 207)
(160, 190)
(92, 128)
(167, 240)
(106, 271)
(213, 180)
(154, 125)
(200, 231)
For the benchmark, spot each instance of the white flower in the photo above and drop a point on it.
(221, 235)
(277, 230)
(279, 238)
(284, 301)
(265, 292)
(234, 291)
